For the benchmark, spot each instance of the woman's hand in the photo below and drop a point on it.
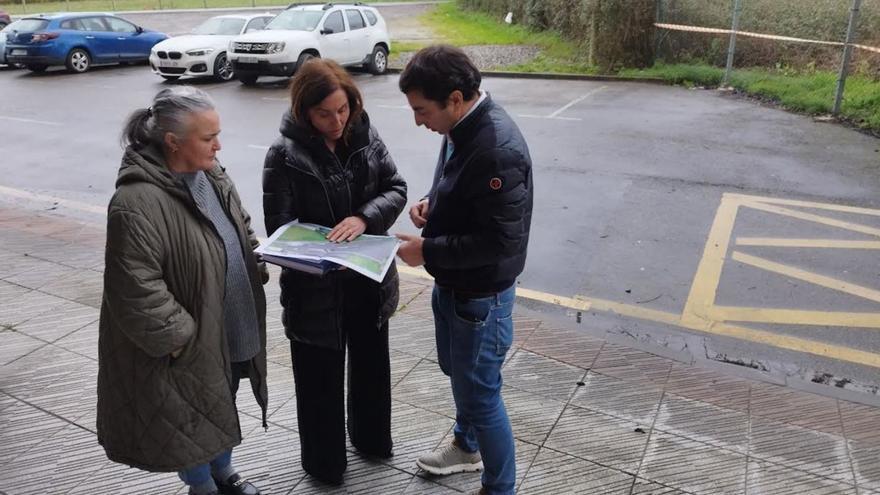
(347, 230)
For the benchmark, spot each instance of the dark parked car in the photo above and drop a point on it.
(78, 41)
(5, 20)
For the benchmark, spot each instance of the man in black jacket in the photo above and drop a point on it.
(476, 228)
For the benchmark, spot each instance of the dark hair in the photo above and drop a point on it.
(169, 112)
(316, 80)
(438, 70)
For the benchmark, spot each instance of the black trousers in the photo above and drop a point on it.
(319, 374)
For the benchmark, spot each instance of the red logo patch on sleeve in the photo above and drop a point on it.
(495, 183)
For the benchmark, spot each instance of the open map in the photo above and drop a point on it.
(304, 246)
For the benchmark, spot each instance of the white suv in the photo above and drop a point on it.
(348, 33)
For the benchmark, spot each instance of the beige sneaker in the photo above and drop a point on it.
(449, 460)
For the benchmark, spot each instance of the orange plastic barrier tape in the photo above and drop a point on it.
(698, 29)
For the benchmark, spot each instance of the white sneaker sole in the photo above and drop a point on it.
(455, 468)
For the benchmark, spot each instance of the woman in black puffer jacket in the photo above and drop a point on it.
(330, 167)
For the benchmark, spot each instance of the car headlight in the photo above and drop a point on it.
(199, 52)
(275, 47)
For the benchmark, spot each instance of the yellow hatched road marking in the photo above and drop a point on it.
(806, 243)
(796, 317)
(745, 198)
(813, 278)
(810, 217)
(705, 284)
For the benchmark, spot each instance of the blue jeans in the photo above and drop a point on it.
(473, 336)
(197, 475)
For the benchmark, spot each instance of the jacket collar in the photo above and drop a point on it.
(148, 164)
(464, 130)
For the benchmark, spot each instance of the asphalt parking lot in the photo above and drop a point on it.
(687, 221)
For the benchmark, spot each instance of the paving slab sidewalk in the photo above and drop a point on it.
(589, 416)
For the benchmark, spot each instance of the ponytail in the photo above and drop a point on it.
(137, 128)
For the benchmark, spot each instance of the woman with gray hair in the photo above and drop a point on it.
(183, 316)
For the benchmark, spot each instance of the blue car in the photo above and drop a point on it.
(78, 41)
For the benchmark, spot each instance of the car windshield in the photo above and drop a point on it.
(223, 26)
(296, 20)
(32, 25)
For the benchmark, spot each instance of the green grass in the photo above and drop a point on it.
(406, 46)
(808, 92)
(126, 5)
(463, 27)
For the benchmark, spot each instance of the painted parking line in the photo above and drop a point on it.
(258, 147)
(807, 276)
(574, 102)
(806, 243)
(30, 121)
(557, 115)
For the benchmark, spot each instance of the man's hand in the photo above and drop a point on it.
(419, 213)
(347, 230)
(176, 354)
(411, 249)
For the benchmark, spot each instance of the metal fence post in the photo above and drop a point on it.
(731, 49)
(594, 34)
(847, 55)
(113, 5)
(658, 17)
(24, 6)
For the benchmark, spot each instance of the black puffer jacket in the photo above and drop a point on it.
(303, 180)
(480, 206)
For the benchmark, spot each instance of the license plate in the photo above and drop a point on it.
(168, 64)
(247, 60)
(18, 52)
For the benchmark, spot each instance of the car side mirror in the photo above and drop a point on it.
(139, 29)
(327, 31)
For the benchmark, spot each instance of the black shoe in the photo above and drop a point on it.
(326, 478)
(194, 493)
(236, 485)
(385, 454)
(373, 452)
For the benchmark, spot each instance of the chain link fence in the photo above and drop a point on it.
(797, 35)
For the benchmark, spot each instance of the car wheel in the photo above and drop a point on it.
(171, 78)
(223, 68)
(78, 61)
(378, 63)
(248, 79)
(36, 68)
(303, 58)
